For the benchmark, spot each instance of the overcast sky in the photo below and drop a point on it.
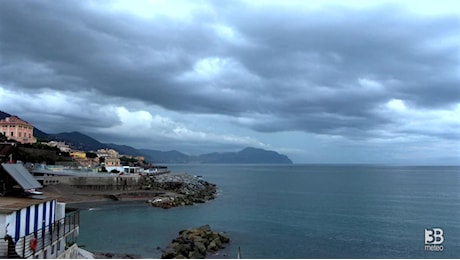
(320, 81)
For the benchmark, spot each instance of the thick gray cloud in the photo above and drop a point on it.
(324, 71)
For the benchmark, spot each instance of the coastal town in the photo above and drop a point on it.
(37, 219)
(19, 131)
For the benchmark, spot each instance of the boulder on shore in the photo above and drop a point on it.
(195, 243)
(186, 189)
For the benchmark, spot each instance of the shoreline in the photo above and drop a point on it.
(164, 191)
(71, 195)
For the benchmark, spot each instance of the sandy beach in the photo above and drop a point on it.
(68, 194)
(164, 191)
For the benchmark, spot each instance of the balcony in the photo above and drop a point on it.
(51, 241)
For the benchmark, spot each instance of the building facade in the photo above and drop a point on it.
(78, 154)
(62, 146)
(37, 229)
(103, 153)
(112, 162)
(16, 129)
(34, 224)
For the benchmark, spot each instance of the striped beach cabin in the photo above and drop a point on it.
(33, 225)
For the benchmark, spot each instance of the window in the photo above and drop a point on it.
(20, 134)
(12, 134)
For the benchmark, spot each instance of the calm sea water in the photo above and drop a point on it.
(298, 211)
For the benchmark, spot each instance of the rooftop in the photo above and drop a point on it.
(12, 204)
(22, 176)
(14, 120)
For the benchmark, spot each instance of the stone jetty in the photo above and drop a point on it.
(195, 243)
(178, 190)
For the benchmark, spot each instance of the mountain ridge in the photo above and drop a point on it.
(249, 155)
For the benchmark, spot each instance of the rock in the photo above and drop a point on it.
(169, 253)
(184, 248)
(200, 247)
(195, 243)
(224, 238)
(205, 228)
(180, 256)
(218, 242)
(189, 189)
(98, 255)
(113, 197)
(195, 255)
(212, 246)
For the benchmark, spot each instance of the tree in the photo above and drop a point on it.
(91, 155)
(3, 138)
(125, 161)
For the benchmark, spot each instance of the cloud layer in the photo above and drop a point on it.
(362, 74)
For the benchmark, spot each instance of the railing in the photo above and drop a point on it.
(66, 227)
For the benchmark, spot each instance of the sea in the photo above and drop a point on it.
(296, 211)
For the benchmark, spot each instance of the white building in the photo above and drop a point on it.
(127, 170)
(36, 225)
(63, 147)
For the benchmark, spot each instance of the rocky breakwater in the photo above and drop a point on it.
(179, 190)
(195, 243)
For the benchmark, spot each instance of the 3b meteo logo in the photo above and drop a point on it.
(433, 239)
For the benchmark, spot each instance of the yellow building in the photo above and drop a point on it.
(78, 154)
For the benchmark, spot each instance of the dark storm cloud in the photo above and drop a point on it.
(325, 71)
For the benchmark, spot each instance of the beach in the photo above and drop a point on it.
(70, 195)
(168, 185)
(162, 191)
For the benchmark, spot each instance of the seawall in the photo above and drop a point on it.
(105, 183)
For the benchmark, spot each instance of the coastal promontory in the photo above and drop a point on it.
(248, 155)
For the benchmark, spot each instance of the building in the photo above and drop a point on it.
(103, 153)
(78, 154)
(140, 158)
(112, 162)
(62, 146)
(126, 170)
(16, 129)
(34, 224)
